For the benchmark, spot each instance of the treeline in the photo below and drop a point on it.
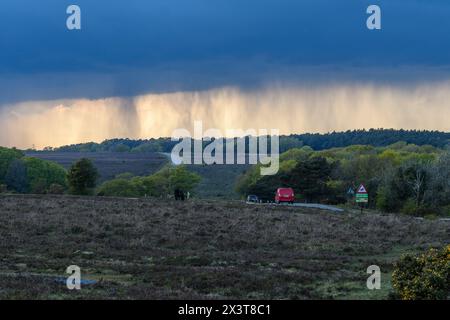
(374, 137)
(163, 184)
(120, 145)
(21, 174)
(399, 178)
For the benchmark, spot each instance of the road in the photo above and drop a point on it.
(305, 205)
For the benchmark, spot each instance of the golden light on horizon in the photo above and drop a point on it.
(289, 109)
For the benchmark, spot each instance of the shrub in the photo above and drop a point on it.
(39, 186)
(446, 210)
(159, 184)
(3, 188)
(183, 179)
(409, 207)
(152, 186)
(383, 201)
(41, 174)
(55, 188)
(16, 177)
(425, 276)
(6, 157)
(118, 188)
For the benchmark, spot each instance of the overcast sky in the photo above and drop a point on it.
(299, 65)
(129, 47)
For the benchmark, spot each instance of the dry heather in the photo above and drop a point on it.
(154, 249)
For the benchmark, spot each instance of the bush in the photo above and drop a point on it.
(41, 174)
(383, 201)
(159, 184)
(39, 186)
(425, 276)
(16, 177)
(118, 188)
(446, 211)
(410, 208)
(6, 157)
(183, 179)
(152, 186)
(3, 188)
(56, 189)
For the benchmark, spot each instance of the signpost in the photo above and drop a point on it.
(362, 196)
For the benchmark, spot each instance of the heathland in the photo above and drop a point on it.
(153, 249)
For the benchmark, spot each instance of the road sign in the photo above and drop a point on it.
(361, 195)
(362, 189)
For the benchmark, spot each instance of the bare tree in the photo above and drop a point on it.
(418, 185)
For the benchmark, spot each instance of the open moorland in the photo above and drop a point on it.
(217, 181)
(162, 249)
(109, 164)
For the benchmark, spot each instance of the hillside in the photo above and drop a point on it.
(217, 181)
(153, 249)
(317, 141)
(109, 164)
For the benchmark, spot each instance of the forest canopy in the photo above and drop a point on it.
(374, 137)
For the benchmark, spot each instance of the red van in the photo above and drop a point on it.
(284, 195)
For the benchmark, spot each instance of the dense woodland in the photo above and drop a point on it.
(374, 137)
(399, 178)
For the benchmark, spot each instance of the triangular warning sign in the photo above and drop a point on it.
(362, 189)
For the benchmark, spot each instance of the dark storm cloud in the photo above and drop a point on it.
(135, 46)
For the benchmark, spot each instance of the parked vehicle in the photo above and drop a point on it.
(252, 198)
(284, 195)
